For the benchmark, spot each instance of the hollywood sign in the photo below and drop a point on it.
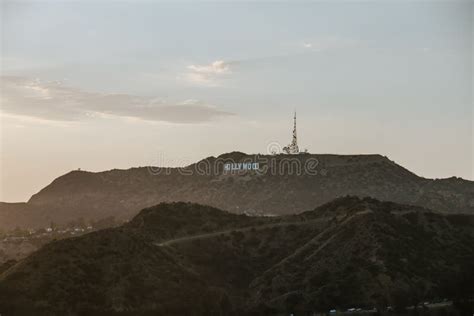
(241, 166)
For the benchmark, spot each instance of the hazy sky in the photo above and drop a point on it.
(121, 84)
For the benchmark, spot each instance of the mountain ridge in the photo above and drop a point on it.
(278, 190)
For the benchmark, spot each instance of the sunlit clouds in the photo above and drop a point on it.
(56, 102)
(208, 75)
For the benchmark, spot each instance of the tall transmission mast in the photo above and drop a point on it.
(293, 147)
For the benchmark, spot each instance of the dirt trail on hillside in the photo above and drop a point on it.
(228, 231)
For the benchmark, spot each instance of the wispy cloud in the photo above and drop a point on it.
(208, 75)
(327, 44)
(51, 100)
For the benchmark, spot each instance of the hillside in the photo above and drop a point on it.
(282, 185)
(188, 259)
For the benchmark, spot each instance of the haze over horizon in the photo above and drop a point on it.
(110, 85)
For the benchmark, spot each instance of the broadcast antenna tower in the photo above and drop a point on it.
(292, 148)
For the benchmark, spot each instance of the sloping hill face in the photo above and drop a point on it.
(350, 252)
(367, 260)
(282, 185)
(103, 272)
(14, 215)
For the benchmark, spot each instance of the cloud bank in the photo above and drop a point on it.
(54, 101)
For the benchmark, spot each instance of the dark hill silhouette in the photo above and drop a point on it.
(281, 189)
(188, 259)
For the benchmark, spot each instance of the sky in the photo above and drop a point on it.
(119, 84)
